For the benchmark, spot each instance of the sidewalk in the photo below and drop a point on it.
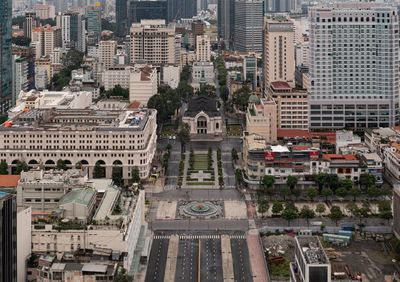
(256, 257)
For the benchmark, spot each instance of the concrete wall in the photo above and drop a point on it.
(23, 241)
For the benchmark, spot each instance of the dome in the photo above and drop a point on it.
(254, 99)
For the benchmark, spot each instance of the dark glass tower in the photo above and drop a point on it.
(8, 237)
(185, 9)
(147, 10)
(121, 8)
(5, 56)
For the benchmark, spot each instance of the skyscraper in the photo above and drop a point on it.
(73, 31)
(30, 23)
(93, 16)
(147, 10)
(178, 9)
(5, 56)
(278, 51)
(121, 11)
(248, 26)
(226, 19)
(354, 73)
(8, 237)
(278, 6)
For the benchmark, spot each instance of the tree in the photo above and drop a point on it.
(207, 90)
(263, 206)
(135, 175)
(355, 192)
(326, 192)
(333, 182)
(169, 147)
(78, 165)
(277, 207)
(352, 208)
(367, 180)
(289, 215)
(341, 192)
(386, 215)
(117, 91)
(296, 192)
(321, 208)
(284, 192)
(235, 156)
(97, 171)
(320, 180)
(268, 180)
(61, 165)
(336, 214)
(184, 134)
(347, 184)
(312, 193)
(307, 213)
(291, 206)
(384, 205)
(224, 93)
(240, 98)
(270, 191)
(291, 182)
(116, 175)
(386, 190)
(373, 192)
(21, 166)
(73, 59)
(3, 167)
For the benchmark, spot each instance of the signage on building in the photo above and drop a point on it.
(269, 156)
(314, 155)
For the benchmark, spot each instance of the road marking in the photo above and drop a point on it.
(198, 275)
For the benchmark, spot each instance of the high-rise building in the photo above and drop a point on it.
(93, 16)
(20, 76)
(248, 26)
(46, 38)
(153, 42)
(44, 11)
(354, 74)
(5, 56)
(30, 23)
(226, 19)
(8, 237)
(181, 9)
(107, 51)
(121, 12)
(73, 31)
(279, 6)
(29, 53)
(203, 48)
(278, 51)
(147, 10)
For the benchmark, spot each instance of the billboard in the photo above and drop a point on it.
(269, 156)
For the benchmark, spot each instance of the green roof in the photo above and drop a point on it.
(80, 196)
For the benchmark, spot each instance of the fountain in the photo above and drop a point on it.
(203, 209)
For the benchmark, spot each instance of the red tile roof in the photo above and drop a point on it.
(9, 180)
(134, 105)
(338, 157)
(293, 133)
(300, 148)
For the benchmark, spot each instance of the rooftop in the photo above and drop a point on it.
(338, 157)
(311, 248)
(372, 156)
(280, 85)
(80, 196)
(9, 180)
(202, 103)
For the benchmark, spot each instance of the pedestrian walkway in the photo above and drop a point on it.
(192, 237)
(256, 257)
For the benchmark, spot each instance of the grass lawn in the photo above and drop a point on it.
(279, 271)
(200, 162)
(235, 129)
(169, 130)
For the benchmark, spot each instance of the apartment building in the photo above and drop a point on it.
(279, 62)
(143, 84)
(45, 11)
(107, 51)
(203, 48)
(117, 75)
(261, 118)
(154, 42)
(354, 78)
(45, 39)
(292, 105)
(87, 136)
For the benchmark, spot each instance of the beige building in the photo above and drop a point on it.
(46, 39)
(203, 116)
(154, 42)
(279, 63)
(79, 203)
(143, 84)
(203, 48)
(292, 105)
(45, 11)
(261, 118)
(46, 64)
(110, 137)
(117, 75)
(107, 51)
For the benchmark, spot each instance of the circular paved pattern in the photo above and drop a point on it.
(200, 209)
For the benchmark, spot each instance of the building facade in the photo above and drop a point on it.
(93, 16)
(143, 84)
(248, 26)
(147, 10)
(278, 51)
(8, 237)
(354, 78)
(107, 51)
(203, 48)
(154, 42)
(5, 56)
(226, 19)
